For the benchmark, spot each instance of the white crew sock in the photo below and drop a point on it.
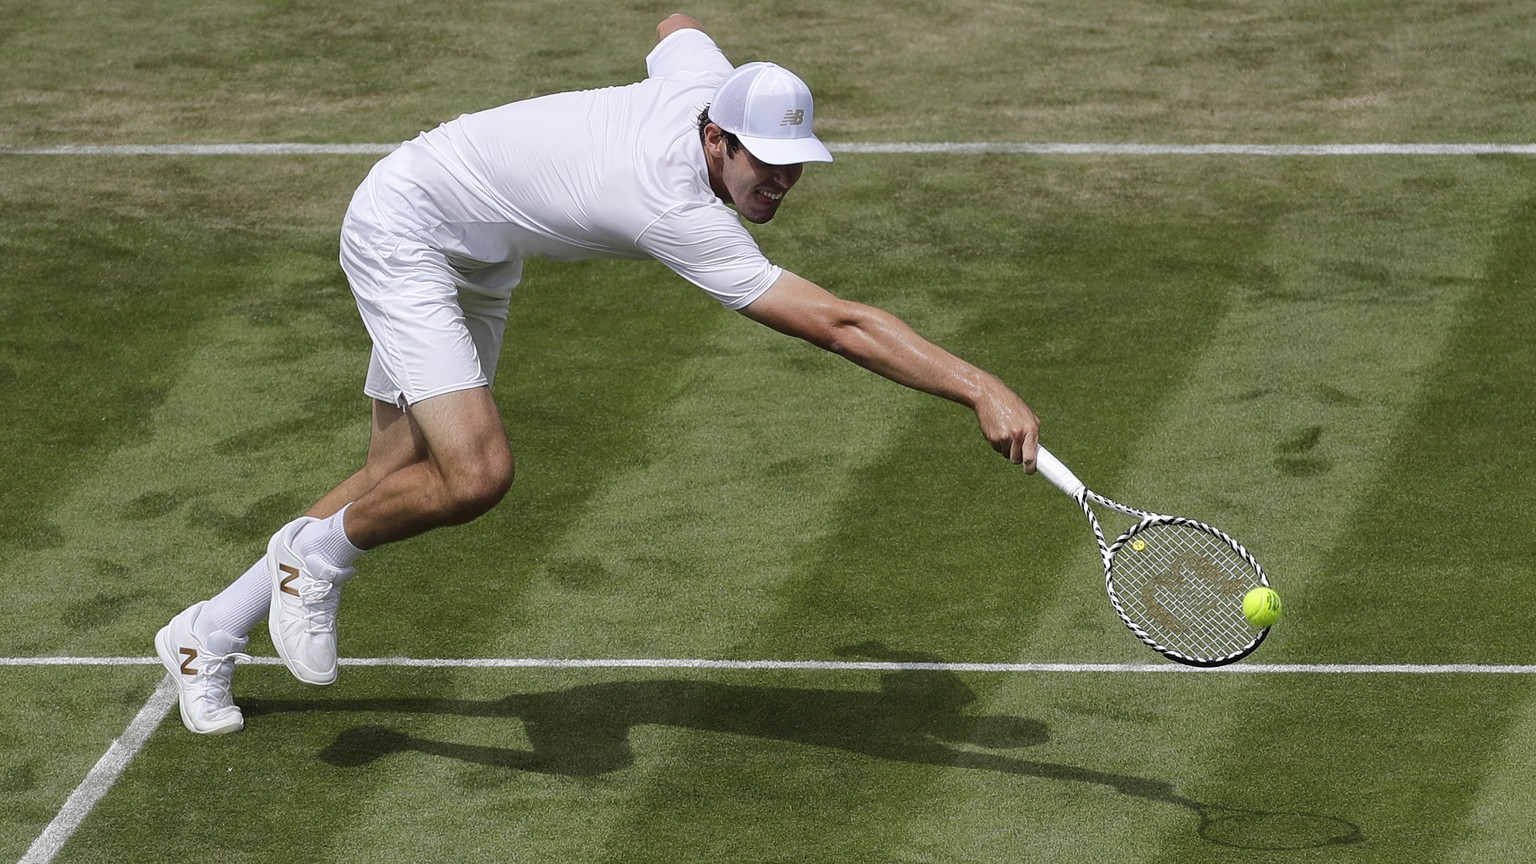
(239, 608)
(327, 540)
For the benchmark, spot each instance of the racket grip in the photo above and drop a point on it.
(1047, 464)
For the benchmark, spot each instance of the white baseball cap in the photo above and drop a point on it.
(769, 108)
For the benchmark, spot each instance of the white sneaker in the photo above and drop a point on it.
(305, 596)
(202, 670)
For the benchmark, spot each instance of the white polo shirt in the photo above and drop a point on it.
(616, 172)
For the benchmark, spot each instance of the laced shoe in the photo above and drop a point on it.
(202, 670)
(305, 597)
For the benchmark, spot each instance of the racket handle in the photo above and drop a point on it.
(1059, 474)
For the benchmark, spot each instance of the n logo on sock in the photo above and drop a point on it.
(187, 656)
(292, 575)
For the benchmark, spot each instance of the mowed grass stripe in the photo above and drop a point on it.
(683, 550)
(1431, 745)
(1454, 515)
(760, 457)
(77, 259)
(1421, 247)
(1507, 316)
(1441, 539)
(742, 465)
(944, 547)
(1280, 432)
(1494, 825)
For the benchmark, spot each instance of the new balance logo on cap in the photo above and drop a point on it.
(793, 117)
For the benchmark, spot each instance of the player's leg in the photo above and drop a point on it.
(425, 345)
(467, 469)
(394, 443)
(436, 342)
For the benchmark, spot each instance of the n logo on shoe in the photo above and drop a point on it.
(187, 656)
(292, 575)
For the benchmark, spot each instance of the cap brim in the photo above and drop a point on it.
(786, 151)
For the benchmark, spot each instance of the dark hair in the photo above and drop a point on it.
(732, 143)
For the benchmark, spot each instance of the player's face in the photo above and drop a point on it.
(755, 187)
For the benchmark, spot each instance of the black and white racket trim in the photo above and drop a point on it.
(1176, 583)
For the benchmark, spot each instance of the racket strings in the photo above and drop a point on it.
(1183, 584)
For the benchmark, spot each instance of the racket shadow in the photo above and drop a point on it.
(1257, 830)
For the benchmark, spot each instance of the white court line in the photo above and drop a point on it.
(1101, 149)
(101, 777)
(896, 147)
(841, 665)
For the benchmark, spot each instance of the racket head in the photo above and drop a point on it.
(1178, 584)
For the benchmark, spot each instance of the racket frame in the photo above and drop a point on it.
(1062, 478)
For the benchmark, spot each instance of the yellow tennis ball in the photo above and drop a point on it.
(1261, 607)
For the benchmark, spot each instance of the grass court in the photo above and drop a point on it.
(1328, 356)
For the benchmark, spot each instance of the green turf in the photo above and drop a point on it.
(1330, 357)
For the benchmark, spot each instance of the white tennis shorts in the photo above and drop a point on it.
(435, 329)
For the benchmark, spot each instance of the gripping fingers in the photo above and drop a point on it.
(1024, 451)
(1019, 448)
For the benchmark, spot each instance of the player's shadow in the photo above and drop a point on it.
(917, 716)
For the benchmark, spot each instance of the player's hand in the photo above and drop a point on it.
(675, 22)
(1011, 426)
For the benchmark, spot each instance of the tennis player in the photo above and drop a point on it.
(433, 245)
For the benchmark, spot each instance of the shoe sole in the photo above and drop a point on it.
(169, 659)
(277, 544)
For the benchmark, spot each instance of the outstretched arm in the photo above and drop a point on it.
(886, 345)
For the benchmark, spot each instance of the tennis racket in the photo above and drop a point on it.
(1178, 584)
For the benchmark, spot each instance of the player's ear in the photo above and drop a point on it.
(714, 141)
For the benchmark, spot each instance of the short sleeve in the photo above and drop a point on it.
(686, 50)
(707, 245)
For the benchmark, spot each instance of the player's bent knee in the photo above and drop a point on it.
(474, 492)
(468, 449)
